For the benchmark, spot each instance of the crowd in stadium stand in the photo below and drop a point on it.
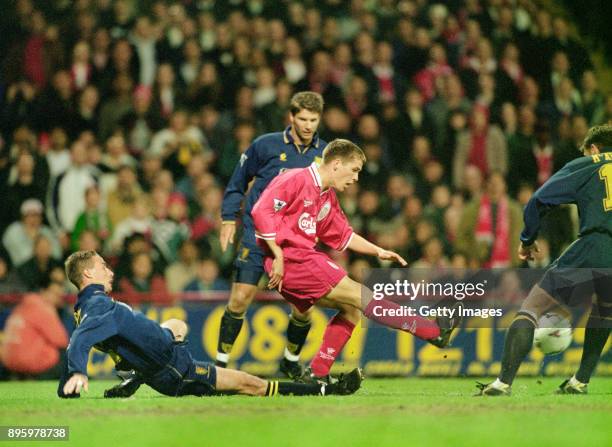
(122, 121)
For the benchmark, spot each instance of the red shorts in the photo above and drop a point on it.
(308, 277)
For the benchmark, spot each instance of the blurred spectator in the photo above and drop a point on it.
(19, 237)
(39, 266)
(591, 97)
(183, 270)
(178, 143)
(150, 166)
(34, 335)
(54, 106)
(58, 155)
(81, 68)
(450, 98)
(206, 88)
(93, 219)
(294, 67)
(563, 104)
(528, 161)
(171, 229)
(18, 106)
(140, 122)
(116, 155)
(209, 217)
(605, 116)
(490, 226)
(207, 278)
(122, 199)
(277, 112)
(374, 172)
(165, 97)
(244, 134)
(10, 282)
(67, 191)
(22, 185)
(437, 68)
(141, 277)
(510, 74)
(483, 146)
(196, 168)
(398, 189)
(433, 255)
(88, 241)
(140, 221)
(144, 40)
(114, 109)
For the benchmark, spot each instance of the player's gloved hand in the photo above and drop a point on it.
(527, 252)
(228, 230)
(387, 255)
(276, 274)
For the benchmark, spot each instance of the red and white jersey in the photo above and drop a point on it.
(294, 211)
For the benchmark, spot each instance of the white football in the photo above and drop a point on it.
(553, 334)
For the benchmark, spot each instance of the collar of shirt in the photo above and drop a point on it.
(313, 169)
(89, 291)
(288, 139)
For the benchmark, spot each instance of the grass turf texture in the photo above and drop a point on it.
(384, 412)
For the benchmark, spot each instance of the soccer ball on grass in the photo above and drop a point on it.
(553, 334)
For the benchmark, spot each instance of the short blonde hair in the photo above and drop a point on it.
(342, 149)
(76, 263)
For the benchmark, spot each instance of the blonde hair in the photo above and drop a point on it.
(76, 263)
(342, 149)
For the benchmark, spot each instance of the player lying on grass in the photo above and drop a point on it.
(582, 270)
(300, 207)
(156, 353)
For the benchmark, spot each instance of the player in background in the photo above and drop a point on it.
(297, 146)
(156, 354)
(582, 270)
(300, 207)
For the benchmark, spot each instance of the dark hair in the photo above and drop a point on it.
(311, 101)
(343, 149)
(76, 263)
(600, 136)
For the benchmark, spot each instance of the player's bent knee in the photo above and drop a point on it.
(241, 297)
(347, 292)
(178, 328)
(301, 316)
(538, 302)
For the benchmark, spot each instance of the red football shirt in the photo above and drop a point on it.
(295, 211)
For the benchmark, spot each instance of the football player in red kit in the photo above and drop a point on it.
(299, 208)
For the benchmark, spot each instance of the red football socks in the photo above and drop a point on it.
(336, 335)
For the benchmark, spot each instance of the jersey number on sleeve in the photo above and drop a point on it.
(605, 174)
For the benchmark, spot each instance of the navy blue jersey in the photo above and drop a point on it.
(266, 157)
(585, 182)
(131, 339)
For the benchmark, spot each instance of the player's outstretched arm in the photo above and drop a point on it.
(361, 245)
(92, 331)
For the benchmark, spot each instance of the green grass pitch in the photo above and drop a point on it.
(398, 412)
